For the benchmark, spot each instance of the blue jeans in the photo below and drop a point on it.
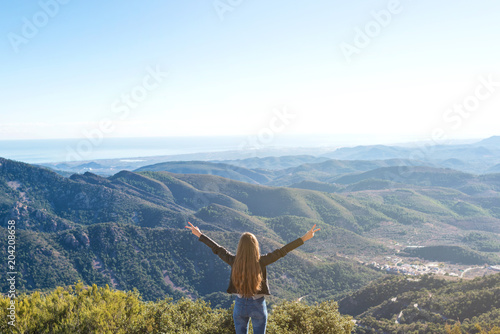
(246, 308)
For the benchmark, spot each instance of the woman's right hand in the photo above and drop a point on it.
(310, 233)
(196, 231)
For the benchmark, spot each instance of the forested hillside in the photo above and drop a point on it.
(399, 304)
(127, 231)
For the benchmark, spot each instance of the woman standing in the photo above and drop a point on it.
(248, 280)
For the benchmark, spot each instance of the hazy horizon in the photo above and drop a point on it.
(87, 149)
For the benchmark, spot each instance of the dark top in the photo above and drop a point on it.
(265, 260)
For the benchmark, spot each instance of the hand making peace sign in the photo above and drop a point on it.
(196, 231)
(310, 233)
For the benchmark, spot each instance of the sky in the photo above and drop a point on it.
(425, 70)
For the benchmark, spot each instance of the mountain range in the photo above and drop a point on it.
(127, 229)
(480, 157)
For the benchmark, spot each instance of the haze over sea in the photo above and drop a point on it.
(57, 150)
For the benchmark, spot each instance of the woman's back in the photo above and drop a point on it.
(248, 280)
(246, 272)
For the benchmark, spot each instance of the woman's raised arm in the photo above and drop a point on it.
(221, 252)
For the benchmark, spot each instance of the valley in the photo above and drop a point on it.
(378, 219)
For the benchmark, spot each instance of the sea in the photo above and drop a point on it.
(55, 150)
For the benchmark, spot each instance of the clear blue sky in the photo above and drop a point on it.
(229, 76)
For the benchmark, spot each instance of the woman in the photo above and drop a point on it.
(248, 280)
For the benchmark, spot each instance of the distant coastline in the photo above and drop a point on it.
(56, 150)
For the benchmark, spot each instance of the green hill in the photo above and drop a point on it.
(272, 171)
(275, 162)
(330, 170)
(422, 176)
(404, 305)
(211, 168)
(453, 254)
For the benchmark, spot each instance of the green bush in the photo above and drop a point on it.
(80, 309)
(295, 317)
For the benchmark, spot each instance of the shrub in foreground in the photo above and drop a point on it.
(80, 309)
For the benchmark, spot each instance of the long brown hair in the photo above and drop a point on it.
(246, 274)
